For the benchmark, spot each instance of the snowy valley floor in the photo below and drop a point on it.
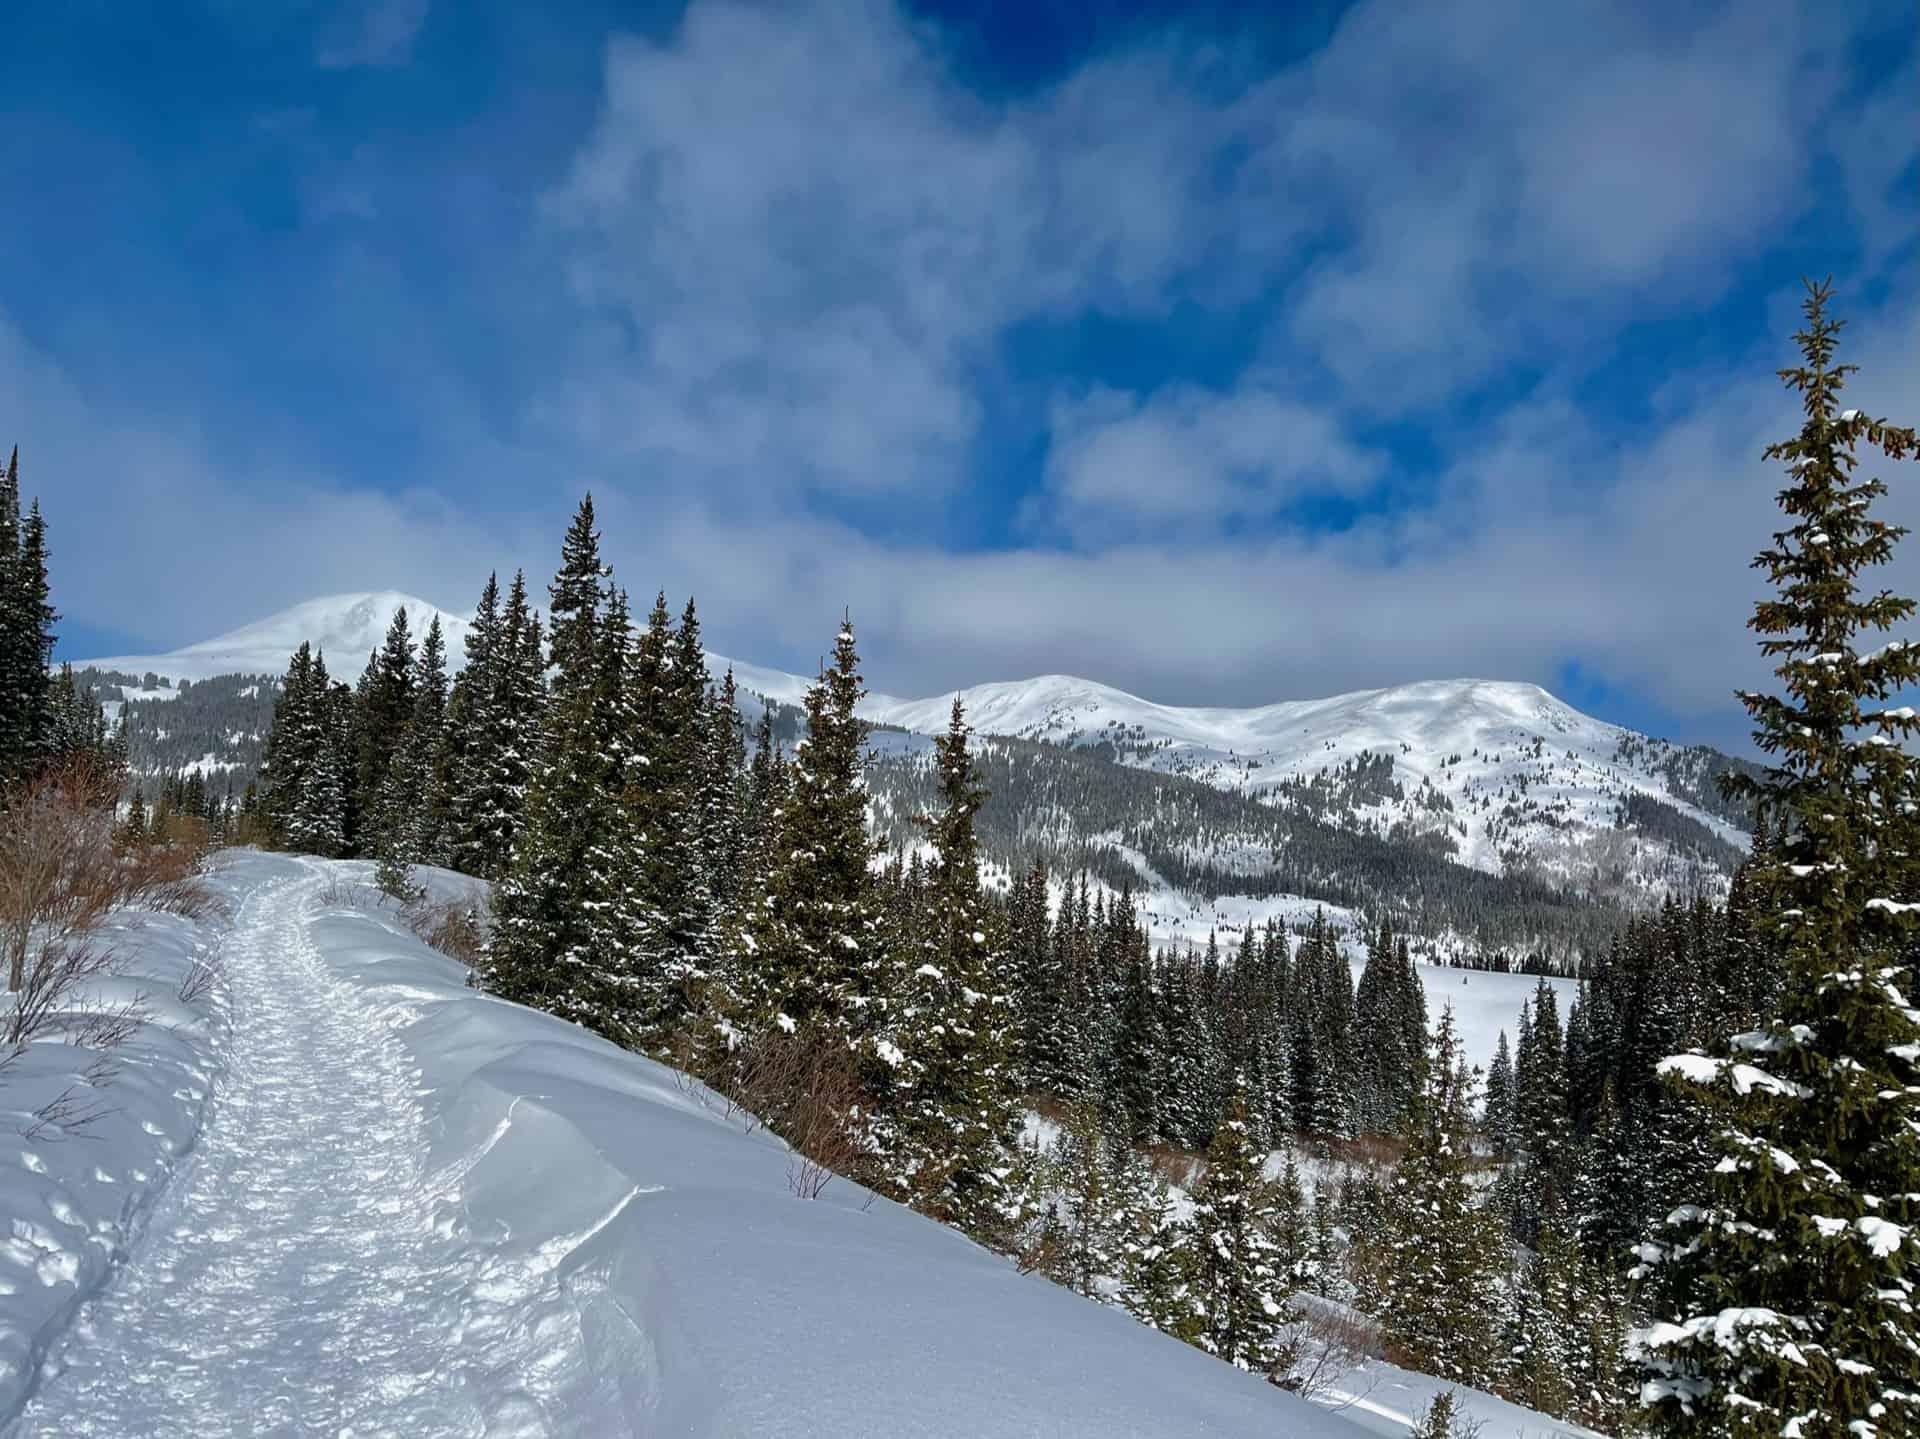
(346, 1195)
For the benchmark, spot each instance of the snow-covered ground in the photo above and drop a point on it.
(75, 1193)
(418, 1210)
(409, 1208)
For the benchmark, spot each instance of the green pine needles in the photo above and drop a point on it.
(1787, 1285)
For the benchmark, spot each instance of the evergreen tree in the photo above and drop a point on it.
(816, 936)
(383, 711)
(952, 1035)
(1544, 1357)
(498, 711)
(1442, 1251)
(1242, 1293)
(26, 632)
(1787, 1288)
(1138, 1074)
(1496, 1112)
(562, 933)
(407, 819)
(304, 774)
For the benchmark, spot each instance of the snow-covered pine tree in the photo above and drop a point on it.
(26, 631)
(1241, 1290)
(1081, 1242)
(305, 770)
(722, 801)
(949, 1040)
(555, 910)
(1184, 1100)
(1040, 984)
(1323, 1033)
(406, 822)
(1442, 1253)
(816, 937)
(499, 705)
(1389, 1033)
(1543, 1356)
(470, 731)
(1495, 1114)
(1787, 1289)
(383, 711)
(1542, 1124)
(1138, 1072)
(1158, 1262)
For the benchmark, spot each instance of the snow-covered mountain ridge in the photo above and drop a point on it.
(1497, 775)
(1503, 773)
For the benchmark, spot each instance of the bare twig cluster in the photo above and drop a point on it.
(62, 871)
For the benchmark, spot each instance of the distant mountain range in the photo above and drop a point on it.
(1498, 778)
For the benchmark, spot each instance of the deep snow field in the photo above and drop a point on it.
(345, 1194)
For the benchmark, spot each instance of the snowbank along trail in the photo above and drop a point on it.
(305, 1273)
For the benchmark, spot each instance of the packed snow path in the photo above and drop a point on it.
(302, 1276)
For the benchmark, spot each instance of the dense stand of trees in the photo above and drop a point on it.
(46, 719)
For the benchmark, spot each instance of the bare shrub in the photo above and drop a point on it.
(346, 894)
(458, 931)
(1367, 1151)
(1325, 1344)
(62, 871)
(1179, 1167)
(108, 1027)
(74, 1108)
(50, 976)
(808, 1092)
(200, 977)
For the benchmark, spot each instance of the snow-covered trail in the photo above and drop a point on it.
(304, 1275)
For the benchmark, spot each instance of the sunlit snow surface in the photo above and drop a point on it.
(418, 1211)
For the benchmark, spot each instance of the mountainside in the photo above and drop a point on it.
(1500, 777)
(1487, 814)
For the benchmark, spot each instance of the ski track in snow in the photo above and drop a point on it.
(305, 1274)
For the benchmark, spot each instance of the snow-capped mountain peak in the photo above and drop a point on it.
(347, 628)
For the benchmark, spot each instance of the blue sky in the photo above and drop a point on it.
(1220, 353)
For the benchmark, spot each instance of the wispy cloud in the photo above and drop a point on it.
(371, 32)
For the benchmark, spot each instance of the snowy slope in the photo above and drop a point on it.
(415, 1209)
(410, 1208)
(1509, 776)
(347, 628)
(74, 1196)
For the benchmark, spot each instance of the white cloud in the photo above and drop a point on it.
(371, 32)
(1190, 462)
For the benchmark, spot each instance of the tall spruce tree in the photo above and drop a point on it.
(1787, 1287)
(383, 710)
(954, 1027)
(407, 820)
(816, 938)
(557, 910)
(1242, 1291)
(305, 772)
(1442, 1251)
(26, 632)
